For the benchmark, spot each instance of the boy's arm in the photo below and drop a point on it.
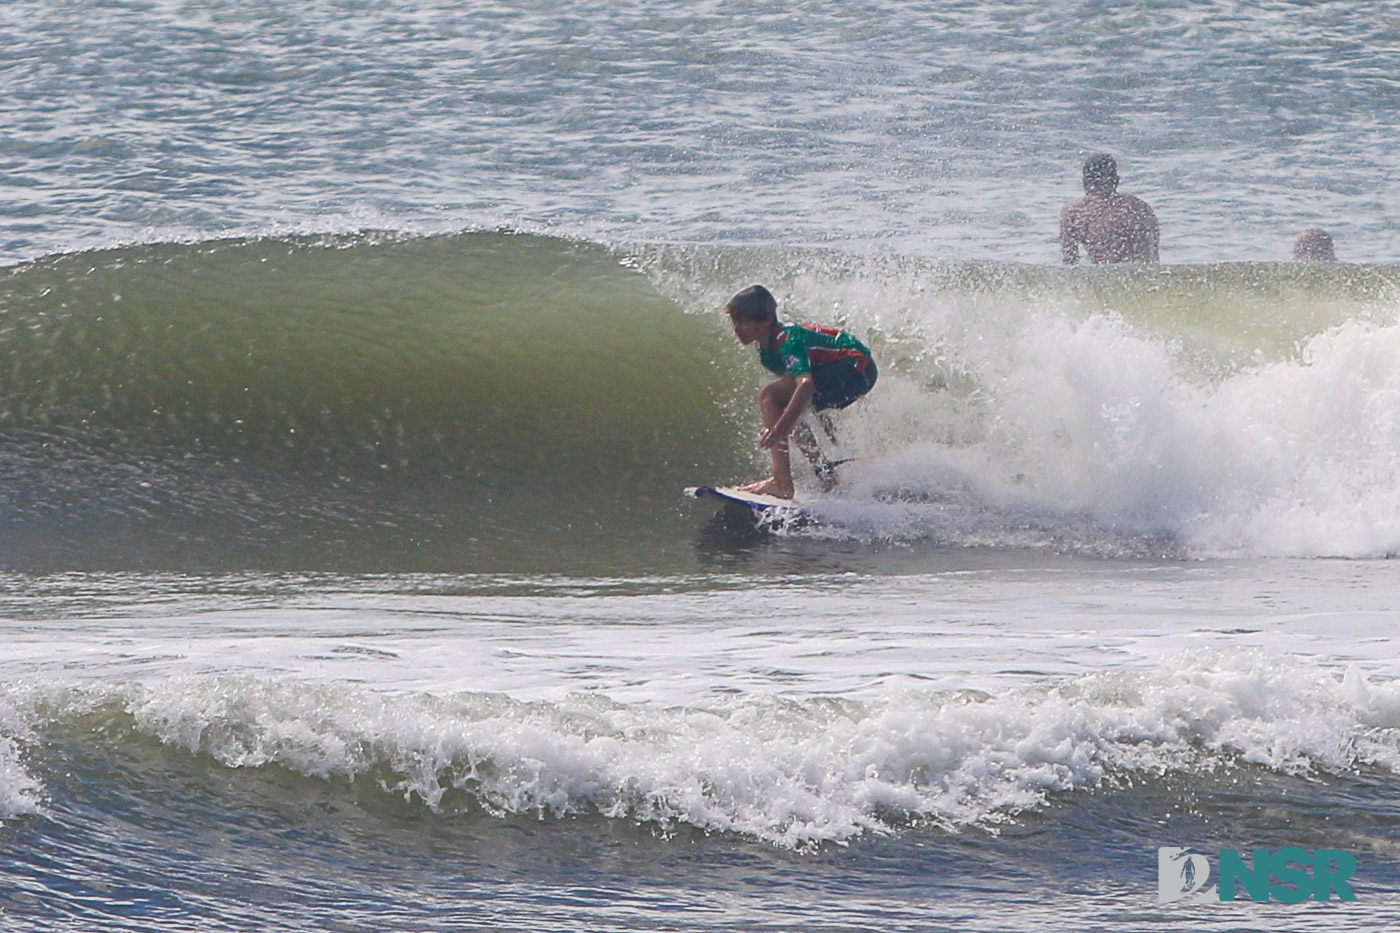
(801, 398)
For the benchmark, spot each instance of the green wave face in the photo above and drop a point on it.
(483, 401)
(494, 402)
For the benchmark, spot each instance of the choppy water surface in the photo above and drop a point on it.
(950, 129)
(353, 356)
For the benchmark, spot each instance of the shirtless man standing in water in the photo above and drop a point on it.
(1113, 227)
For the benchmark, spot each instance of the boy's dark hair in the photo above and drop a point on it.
(754, 303)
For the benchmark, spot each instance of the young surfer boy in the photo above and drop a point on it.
(818, 368)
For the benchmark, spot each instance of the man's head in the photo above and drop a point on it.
(1314, 246)
(1100, 174)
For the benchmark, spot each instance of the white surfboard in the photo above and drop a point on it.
(769, 510)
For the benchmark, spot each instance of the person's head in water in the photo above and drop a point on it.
(1314, 246)
(1100, 174)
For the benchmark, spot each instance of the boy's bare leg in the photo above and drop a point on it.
(772, 401)
(780, 483)
(826, 469)
(807, 443)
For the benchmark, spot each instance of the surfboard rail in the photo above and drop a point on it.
(768, 510)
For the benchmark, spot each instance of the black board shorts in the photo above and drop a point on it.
(841, 383)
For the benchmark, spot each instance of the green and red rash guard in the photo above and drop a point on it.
(800, 348)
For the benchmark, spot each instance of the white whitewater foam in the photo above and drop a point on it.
(1010, 418)
(1086, 433)
(793, 772)
(19, 791)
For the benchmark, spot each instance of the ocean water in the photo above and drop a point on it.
(354, 355)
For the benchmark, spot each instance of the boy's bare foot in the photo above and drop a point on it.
(768, 487)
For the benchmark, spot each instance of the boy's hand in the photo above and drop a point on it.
(770, 436)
